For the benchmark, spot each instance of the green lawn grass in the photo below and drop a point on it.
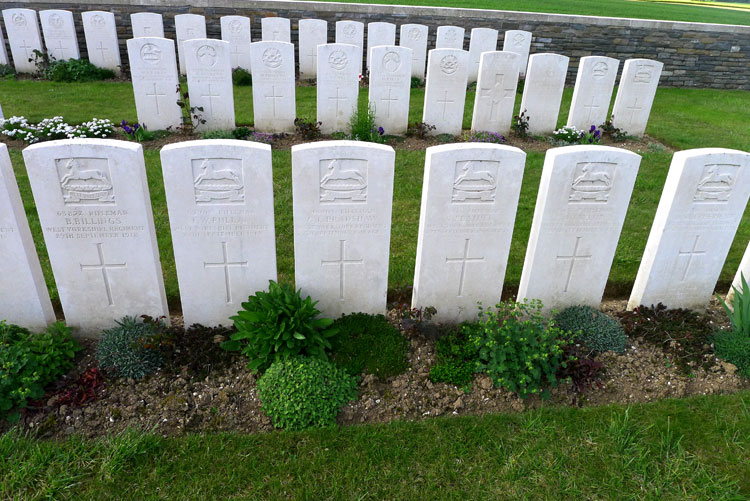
(681, 118)
(609, 8)
(694, 448)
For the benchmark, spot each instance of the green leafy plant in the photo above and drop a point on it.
(131, 349)
(301, 392)
(279, 324)
(137, 132)
(308, 129)
(520, 125)
(29, 362)
(734, 347)
(739, 313)
(241, 77)
(241, 133)
(371, 343)
(217, 134)
(419, 130)
(596, 330)
(7, 72)
(456, 359)
(609, 130)
(192, 116)
(417, 83)
(363, 128)
(69, 70)
(520, 349)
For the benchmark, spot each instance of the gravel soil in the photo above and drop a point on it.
(174, 401)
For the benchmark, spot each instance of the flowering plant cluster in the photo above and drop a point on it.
(570, 135)
(53, 128)
(485, 137)
(136, 132)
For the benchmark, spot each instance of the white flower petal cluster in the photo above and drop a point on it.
(18, 127)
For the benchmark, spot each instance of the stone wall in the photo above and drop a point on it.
(694, 54)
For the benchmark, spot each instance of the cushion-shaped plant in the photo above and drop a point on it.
(278, 324)
(130, 349)
(596, 330)
(302, 392)
(734, 347)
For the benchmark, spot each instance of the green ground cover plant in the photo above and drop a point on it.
(733, 345)
(456, 359)
(370, 343)
(301, 392)
(29, 362)
(596, 330)
(131, 349)
(279, 324)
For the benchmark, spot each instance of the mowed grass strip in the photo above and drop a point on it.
(681, 118)
(694, 448)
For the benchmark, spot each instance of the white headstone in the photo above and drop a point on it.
(414, 36)
(24, 299)
(312, 32)
(469, 199)
(101, 39)
(236, 31)
(343, 193)
(1, 112)
(59, 34)
(95, 212)
(543, 91)
(390, 87)
(274, 105)
(220, 200)
(496, 92)
(147, 24)
(23, 37)
(518, 41)
(209, 77)
(583, 197)
(338, 86)
(445, 93)
(351, 33)
(704, 197)
(3, 52)
(153, 70)
(742, 271)
(593, 91)
(379, 34)
(187, 27)
(276, 29)
(635, 95)
(482, 40)
(450, 37)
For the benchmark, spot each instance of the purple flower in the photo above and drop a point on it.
(127, 129)
(381, 131)
(123, 123)
(593, 128)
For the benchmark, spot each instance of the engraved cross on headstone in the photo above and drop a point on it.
(632, 109)
(226, 264)
(60, 48)
(25, 47)
(690, 254)
(388, 102)
(494, 93)
(235, 54)
(463, 260)
(210, 101)
(591, 107)
(341, 262)
(273, 97)
(338, 99)
(573, 258)
(313, 55)
(445, 103)
(102, 49)
(155, 95)
(103, 266)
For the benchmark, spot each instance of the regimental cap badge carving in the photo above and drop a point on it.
(475, 181)
(206, 55)
(85, 181)
(343, 180)
(600, 70)
(449, 64)
(592, 182)
(391, 61)
(19, 19)
(218, 181)
(716, 183)
(644, 73)
(338, 60)
(150, 54)
(272, 58)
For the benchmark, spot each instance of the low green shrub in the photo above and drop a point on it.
(241, 77)
(302, 392)
(456, 359)
(279, 324)
(518, 347)
(7, 72)
(734, 347)
(371, 343)
(594, 329)
(307, 128)
(29, 362)
(363, 128)
(70, 70)
(131, 349)
(739, 313)
(217, 134)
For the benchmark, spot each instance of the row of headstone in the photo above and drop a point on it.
(95, 213)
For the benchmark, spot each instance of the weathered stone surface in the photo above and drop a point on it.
(3, 52)
(274, 104)
(187, 27)
(276, 29)
(518, 41)
(147, 24)
(414, 36)
(390, 87)
(379, 34)
(450, 37)
(95, 212)
(635, 95)
(593, 91)
(542, 92)
(153, 71)
(342, 197)
(496, 92)
(24, 299)
(704, 197)
(352, 33)
(23, 36)
(101, 39)
(445, 93)
(469, 199)
(312, 32)
(482, 40)
(338, 86)
(209, 77)
(582, 201)
(236, 31)
(59, 34)
(220, 200)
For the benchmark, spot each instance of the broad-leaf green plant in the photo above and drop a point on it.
(279, 324)
(739, 312)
